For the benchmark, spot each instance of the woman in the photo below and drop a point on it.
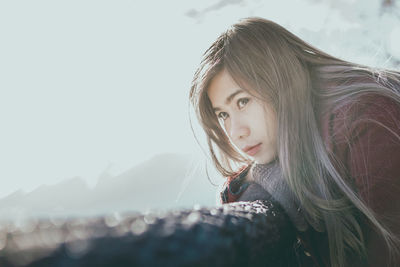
(320, 134)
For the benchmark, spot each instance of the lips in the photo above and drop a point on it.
(252, 150)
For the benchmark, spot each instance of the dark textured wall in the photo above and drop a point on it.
(238, 234)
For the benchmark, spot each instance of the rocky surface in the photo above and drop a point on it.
(238, 234)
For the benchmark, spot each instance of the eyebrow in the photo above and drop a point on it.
(229, 98)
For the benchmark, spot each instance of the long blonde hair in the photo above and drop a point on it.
(295, 77)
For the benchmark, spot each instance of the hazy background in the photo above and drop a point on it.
(94, 94)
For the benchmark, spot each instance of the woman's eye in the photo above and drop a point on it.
(222, 115)
(242, 102)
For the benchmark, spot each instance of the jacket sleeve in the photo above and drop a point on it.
(374, 155)
(374, 164)
(234, 186)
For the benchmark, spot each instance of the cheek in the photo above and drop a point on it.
(269, 124)
(258, 120)
(271, 128)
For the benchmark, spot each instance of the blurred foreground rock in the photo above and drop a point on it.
(238, 234)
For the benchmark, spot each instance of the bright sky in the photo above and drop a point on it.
(86, 85)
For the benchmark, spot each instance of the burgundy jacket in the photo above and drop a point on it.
(365, 138)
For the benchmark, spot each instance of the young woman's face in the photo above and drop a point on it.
(250, 124)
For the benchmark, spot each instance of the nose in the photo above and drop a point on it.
(238, 128)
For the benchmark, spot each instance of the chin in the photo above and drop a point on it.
(264, 160)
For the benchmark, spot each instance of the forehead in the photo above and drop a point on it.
(221, 86)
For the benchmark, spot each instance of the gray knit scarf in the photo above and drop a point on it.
(269, 176)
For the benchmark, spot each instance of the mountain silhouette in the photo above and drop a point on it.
(165, 181)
